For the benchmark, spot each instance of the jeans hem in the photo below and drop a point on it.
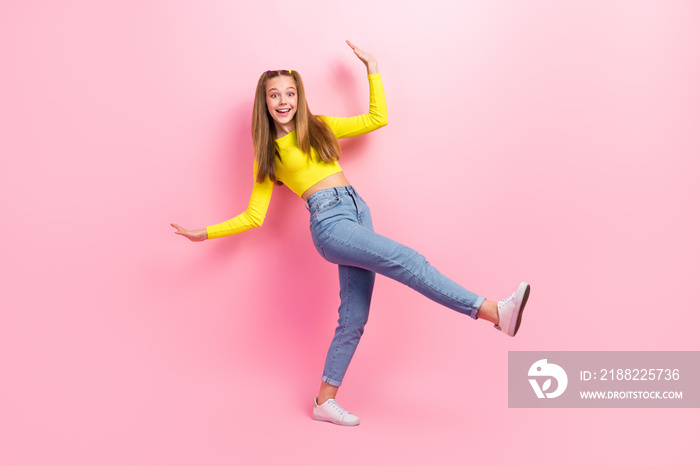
(480, 300)
(330, 381)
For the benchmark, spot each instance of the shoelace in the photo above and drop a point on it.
(338, 408)
(504, 302)
(509, 299)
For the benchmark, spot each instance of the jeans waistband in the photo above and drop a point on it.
(329, 192)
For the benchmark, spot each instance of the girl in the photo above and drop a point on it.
(295, 147)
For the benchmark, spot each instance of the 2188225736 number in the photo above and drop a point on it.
(640, 374)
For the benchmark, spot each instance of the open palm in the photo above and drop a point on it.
(366, 57)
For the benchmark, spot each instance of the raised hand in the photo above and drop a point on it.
(192, 235)
(366, 57)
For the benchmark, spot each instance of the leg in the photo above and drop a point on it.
(351, 244)
(356, 286)
(365, 248)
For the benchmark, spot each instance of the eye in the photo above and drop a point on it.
(273, 95)
(291, 94)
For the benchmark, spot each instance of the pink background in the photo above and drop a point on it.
(548, 141)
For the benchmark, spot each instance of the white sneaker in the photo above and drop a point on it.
(510, 310)
(331, 411)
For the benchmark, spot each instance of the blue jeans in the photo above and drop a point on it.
(341, 229)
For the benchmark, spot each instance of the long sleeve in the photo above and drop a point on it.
(252, 217)
(361, 124)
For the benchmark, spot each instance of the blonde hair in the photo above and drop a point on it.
(311, 130)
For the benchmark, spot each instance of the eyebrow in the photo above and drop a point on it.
(275, 89)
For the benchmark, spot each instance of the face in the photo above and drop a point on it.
(281, 96)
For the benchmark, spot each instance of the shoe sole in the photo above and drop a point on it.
(522, 308)
(315, 418)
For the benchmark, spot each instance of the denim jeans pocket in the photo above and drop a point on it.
(326, 204)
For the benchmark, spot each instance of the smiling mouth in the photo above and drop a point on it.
(284, 111)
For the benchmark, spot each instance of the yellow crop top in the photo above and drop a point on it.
(299, 172)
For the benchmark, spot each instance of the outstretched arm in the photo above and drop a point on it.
(253, 216)
(366, 57)
(377, 115)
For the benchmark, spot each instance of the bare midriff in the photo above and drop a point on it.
(334, 181)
